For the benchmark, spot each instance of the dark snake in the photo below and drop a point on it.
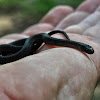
(28, 46)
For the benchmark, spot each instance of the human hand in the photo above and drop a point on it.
(55, 74)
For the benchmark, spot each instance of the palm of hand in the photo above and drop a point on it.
(59, 73)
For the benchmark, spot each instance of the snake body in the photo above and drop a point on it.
(27, 46)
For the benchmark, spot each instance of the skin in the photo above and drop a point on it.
(38, 28)
(53, 73)
(85, 24)
(51, 17)
(72, 19)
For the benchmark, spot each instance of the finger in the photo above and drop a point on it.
(56, 15)
(3, 96)
(85, 24)
(72, 19)
(69, 20)
(94, 33)
(14, 36)
(38, 28)
(89, 5)
(6, 41)
(98, 9)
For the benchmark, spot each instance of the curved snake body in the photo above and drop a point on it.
(27, 46)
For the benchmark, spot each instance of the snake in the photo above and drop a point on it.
(28, 46)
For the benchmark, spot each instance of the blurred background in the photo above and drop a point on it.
(17, 15)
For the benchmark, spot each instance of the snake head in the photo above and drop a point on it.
(88, 49)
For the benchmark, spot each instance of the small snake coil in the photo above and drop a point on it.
(27, 46)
